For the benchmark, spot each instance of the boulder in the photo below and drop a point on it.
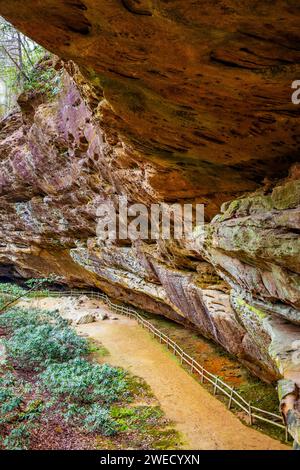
(83, 299)
(102, 316)
(83, 318)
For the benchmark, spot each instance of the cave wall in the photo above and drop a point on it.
(199, 90)
(168, 101)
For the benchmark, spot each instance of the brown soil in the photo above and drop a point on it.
(211, 356)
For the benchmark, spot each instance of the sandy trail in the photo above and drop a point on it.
(203, 421)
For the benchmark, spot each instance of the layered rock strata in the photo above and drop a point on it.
(174, 101)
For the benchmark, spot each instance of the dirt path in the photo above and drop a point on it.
(204, 422)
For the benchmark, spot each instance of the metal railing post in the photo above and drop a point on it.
(250, 414)
(230, 399)
(215, 385)
(286, 434)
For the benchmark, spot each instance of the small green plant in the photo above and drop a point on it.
(18, 438)
(137, 417)
(123, 416)
(99, 419)
(96, 348)
(43, 79)
(32, 411)
(10, 403)
(36, 282)
(35, 347)
(13, 408)
(81, 381)
(19, 317)
(12, 289)
(92, 418)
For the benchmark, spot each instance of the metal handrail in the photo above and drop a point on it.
(194, 366)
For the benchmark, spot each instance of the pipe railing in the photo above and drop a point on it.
(253, 412)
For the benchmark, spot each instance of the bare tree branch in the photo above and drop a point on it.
(15, 62)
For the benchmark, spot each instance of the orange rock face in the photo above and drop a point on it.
(176, 101)
(200, 90)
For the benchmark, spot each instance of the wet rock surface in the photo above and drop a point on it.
(212, 122)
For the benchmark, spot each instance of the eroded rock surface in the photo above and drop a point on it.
(172, 101)
(200, 92)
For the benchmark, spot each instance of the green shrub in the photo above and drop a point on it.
(84, 382)
(99, 420)
(18, 438)
(10, 403)
(11, 397)
(33, 410)
(92, 417)
(15, 318)
(34, 347)
(43, 80)
(7, 378)
(12, 289)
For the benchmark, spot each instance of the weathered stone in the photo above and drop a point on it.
(83, 299)
(194, 97)
(56, 233)
(293, 423)
(102, 316)
(83, 318)
(286, 387)
(256, 245)
(176, 101)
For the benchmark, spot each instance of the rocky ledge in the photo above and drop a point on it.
(168, 101)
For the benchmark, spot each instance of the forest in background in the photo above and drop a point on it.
(18, 57)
